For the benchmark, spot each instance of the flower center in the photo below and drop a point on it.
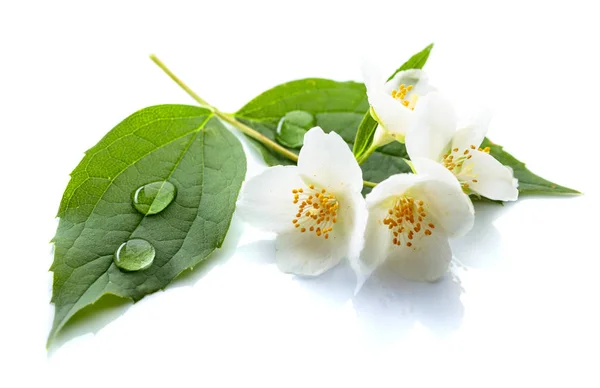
(406, 219)
(400, 95)
(317, 210)
(454, 161)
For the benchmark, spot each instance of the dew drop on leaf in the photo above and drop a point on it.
(292, 127)
(154, 197)
(134, 255)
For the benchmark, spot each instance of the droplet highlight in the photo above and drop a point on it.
(293, 126)
(152, 198)
(134, 255)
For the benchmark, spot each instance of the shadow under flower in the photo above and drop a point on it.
(481, 248)
(335, 286)
(388, 307)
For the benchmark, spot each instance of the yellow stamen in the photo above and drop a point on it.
(401, 95)
(400, 220)
(317, 207)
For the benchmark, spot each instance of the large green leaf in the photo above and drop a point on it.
(184, 145)
(529, 183)
(368, 125)
(336, 106)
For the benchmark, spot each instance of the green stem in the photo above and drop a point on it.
(229, 118)
(256, 135)
(226, 117)
(369, 184)
(179, 82)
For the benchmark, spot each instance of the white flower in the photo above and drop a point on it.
(434, 136)
(316, 208)
(393, 102)
(411, 217)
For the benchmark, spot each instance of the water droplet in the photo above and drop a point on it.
(292, 127)
(134, 255)
(154, 197)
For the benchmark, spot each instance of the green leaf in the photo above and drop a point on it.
(366, 129)
(417, 61)
(529, 183)
(364, 135)
(184, 145)
(336, 106)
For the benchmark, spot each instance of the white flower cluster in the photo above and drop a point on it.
(317, 210)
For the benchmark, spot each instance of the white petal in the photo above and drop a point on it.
(494, 180)
(473, 132)
(392, 187)
(377, 243)
(433, 127)
(426, 260)
(444, 198)
(266, 200)
(432, 169)
(373, 76)
(352, 217)
(390, 113)
(326, 160)
(382, 137)
(308, 255)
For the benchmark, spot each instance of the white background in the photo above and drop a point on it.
(521, 305)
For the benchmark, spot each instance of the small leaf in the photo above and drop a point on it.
(417, 61)
(366, 129)
(529, 183)
(364, 135)
(336, 106)
(184, 145)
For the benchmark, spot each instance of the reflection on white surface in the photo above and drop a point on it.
(388, 308)
(482, 248)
